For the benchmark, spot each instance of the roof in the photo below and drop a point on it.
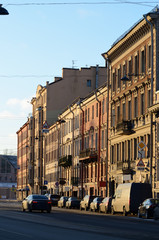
(11, 159)
(154, 10)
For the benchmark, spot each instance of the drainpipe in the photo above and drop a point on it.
(151, 130)
(107, 141)
(97, 75)
(72, 142)
(82, 146)
(99, 133)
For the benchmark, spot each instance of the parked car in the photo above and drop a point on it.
(62, 202)
(105, 205)
(73, 202)
(94, 206)
(129, 196)
(54, 198)
(86, 201)
(146, 209)
(156, 212)
(36, 202)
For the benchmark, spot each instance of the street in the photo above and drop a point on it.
(72, 224)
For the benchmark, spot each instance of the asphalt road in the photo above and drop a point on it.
(62, 224)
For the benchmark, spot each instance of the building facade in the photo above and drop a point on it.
(49, 102)
(133, 79)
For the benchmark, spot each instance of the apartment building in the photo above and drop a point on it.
(133, 80)
(93, 133)
(22, 161)
(50, 101)
(8, 176)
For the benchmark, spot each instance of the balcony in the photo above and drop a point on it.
(65, 161)
(74, 181)
(128, 167)
(88, 155)
(125, 127)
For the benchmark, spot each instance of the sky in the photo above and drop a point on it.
(37, 40)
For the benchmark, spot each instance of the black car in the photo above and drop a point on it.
(54, 198)
(146, 209)
(36, 202)
(73, 202)
(94, 206)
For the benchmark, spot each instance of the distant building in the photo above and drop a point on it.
(8, 176)
(50, 101)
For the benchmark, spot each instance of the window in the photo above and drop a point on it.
(114, 82)
(88, 113)
(149, 56)
(124, 112)
(93, 112)
(118, 152)
(96, 141)
(135, 148)
(112, 155)
(119, 77)
(124, 70)
(102, 139)
(103, 103)
(135, 107)
(136, 67)
(148, 98)
(118, 113)
(143, 61)
(85, 115)
(142, 104)
(129, 110)
(130, 69)
(113, 118)
(129, 150)
(88, 83)
(92, 141)
(123, 151)
(96, 109)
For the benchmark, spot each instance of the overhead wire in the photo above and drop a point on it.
(143, 3)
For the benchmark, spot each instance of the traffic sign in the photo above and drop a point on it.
(141, 145)
(141, 153)
(45, 125)
(140, 163)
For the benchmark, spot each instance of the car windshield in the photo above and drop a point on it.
(39, 197)
(72, 198)
(155, 201)
(54, 196)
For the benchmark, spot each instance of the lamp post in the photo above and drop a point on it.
(3, 11)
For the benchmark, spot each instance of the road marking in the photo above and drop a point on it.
(17, 233)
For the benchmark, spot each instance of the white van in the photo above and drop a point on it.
(129, 196)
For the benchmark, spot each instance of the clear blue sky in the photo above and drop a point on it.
(42, 39)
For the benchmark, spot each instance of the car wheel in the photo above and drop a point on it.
(80, 208)
(112, 210)
(146, 215)
(105, 210)
(48, 211)
(23, 209)
(138, 214)
(124, 211)
(155, 216)
(99, 210)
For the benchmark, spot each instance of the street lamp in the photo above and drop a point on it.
(3, 11)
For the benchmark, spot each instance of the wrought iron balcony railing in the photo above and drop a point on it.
(65, 161)
(88, 154)
(125, 127)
